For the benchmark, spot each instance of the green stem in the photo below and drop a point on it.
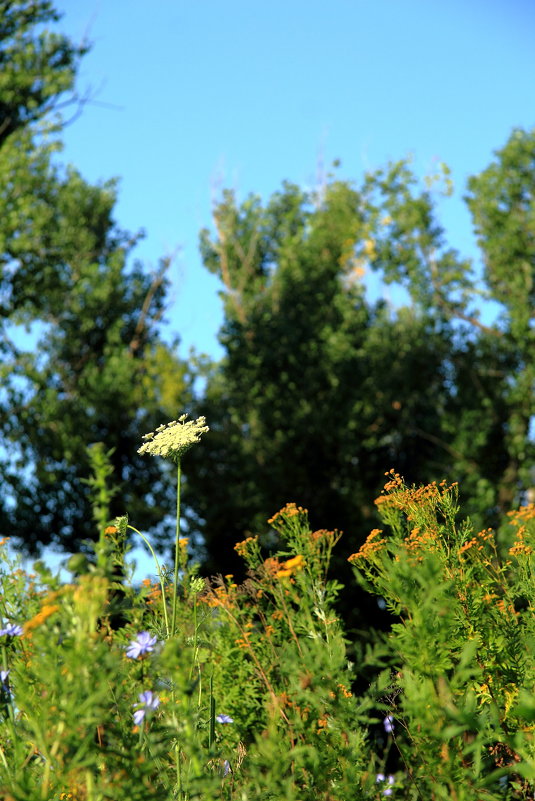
(178, 770)
(160, 576)
(177, 549)
(211, 730)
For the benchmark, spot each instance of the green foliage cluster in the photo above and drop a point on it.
(322, 390)
(461, 696)
(81, 355)
(251, 693)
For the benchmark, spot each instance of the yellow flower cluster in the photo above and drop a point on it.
(38, 619)
(288, 511)
(520, 547)
(477, 542)
(222, 596)
(290, 566)
(519, 519)
(419, 541)
(241, 547)
(371, 546)
(409, 499)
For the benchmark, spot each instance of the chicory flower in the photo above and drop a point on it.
(224, 719)
(11, 630)
(143, 644)
(147, 701)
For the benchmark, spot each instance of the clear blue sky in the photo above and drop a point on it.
(196, 95)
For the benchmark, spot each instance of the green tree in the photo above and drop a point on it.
(320, 391)
(37, 66)
(83, 359)
(492, 368)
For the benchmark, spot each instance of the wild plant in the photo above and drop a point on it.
(183, 688)
(459, 691)
(187, 688)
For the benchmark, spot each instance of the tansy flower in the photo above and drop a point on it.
(173, 439)
(283, 573)
(295, 561)
(40, 617)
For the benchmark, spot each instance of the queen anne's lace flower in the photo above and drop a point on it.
(173, 439)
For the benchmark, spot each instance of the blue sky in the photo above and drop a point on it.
(191, 96)
(195, 95)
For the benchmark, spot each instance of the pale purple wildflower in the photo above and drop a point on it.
(11, 630)
(4, 684)
(143, 644)
(224, 719)
(380, 778)
(226, 767)
(147, 700)
(388, 723)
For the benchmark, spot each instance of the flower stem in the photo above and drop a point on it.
(177, 549)
(160, 576)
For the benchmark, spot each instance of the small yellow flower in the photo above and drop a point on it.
(283, 573)
(294, 562)
(40, 617)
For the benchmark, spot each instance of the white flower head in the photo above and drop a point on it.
(173, 439)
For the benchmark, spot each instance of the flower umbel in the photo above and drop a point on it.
(147, 701)
(173, 439)
(143, 644)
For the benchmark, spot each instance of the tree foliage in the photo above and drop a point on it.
(82, 356)
(37, 67)
(320, 390)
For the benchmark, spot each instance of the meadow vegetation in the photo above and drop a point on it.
(271, 680)
(190, 688)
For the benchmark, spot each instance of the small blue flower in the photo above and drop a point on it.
(4, 684)
(224, 719)
(147, 701)
(388, 723)
(143, 644)
(226, 767)
(380, 778)
(11, 630)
